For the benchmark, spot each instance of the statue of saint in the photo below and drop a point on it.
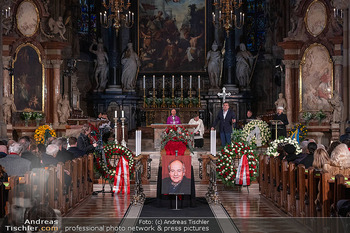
(244, 67)
(101, 65)
(281, 102)
(337, 105)
(131, 63)
(63, 109)
(8, 107)
(58, 27)
(214, 65)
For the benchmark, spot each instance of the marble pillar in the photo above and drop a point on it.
(7, 79)
(338, 79)
(56, 64)
(289, 65)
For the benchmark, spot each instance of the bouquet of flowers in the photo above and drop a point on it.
(272, 149)
(26, 115)
(42, 133)
(320, 115)
(226, 169)
(251, 137)
(307, 116)
(177, 134)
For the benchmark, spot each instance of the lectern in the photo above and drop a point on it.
(276, 123)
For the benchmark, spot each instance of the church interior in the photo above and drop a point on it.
(105, 104)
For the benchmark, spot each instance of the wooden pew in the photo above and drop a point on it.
(284, 173)
(90, 173)
(278, 192)
(301, 191)
(292, 189)
(261, 174)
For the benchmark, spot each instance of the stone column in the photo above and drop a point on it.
(290, 64)
(7, 79)
(230, 63)
(338, 79)
(56, 88)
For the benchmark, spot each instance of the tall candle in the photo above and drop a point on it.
(144, 82)
(154, 81)
(172, 82)
(190, 81)
(116, 114)
(163, 81)
(122, 113)
(182, 82)
(199, 82)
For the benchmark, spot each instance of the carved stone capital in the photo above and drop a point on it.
(290, 64)
(56, 63)
(47, 64)
(338, 60)
(6, 61)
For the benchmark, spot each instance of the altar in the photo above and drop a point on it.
(159, 129)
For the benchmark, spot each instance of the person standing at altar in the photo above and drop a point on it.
(198, 132)
(282, 117)
(227, 118)
(173, 119)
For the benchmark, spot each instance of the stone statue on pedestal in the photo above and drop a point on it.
(101, 65)
(244, 67)
(57, 27)
(8, 107)
(63, 109)
(281, 102)
(214, 59)
(337, 105)
(131, 63)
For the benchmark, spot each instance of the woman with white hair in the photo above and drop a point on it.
(49, 158)
(341, 156)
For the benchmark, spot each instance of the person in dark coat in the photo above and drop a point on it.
(73, 148)
(345, 136)
(177, 182)
(309, 159)
(63, 155)
(13, 163)
(281, 129)
(226, 117)
(49, 158)
(290, 151)
(84, 140)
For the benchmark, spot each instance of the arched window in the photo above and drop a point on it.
(87, 22)
(254, 28)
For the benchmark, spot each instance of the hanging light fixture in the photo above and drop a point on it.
(119, 16)
(226, 16)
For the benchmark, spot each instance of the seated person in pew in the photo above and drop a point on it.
(198, 132)
(332, 146)
(309, 159)
(321, 159)
(27, 153)
(290, 152)
(341, 156)
(73, 147)
(13, 163)
(3, 151)
(84, 140)
(63, 155)
(49, 158)
(304, 151)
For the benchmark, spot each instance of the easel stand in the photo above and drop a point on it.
(176, 195)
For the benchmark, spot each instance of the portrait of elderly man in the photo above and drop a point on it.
(176, 182)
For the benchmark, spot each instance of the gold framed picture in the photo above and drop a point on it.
(27, 18)
(316, 18)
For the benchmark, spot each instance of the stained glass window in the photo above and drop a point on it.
(254, 28)
(87, 22)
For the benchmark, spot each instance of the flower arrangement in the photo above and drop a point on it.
(177, 134)
(37, 115)
(320, 115)
(302, 131)
(265, 132)
(272, 149)
(26, 115)
(112, 150)
(226, 169)
(42, 133)
(307, 116)
(236, 135)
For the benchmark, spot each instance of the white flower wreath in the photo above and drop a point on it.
(249, 132)
(272, 149)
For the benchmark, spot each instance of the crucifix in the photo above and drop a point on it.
(223, 94)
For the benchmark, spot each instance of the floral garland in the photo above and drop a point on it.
(226, 165)
(177, 134)
(107, 171)
(272, 149)
(265, 132)
(302, 131)
(42, 133)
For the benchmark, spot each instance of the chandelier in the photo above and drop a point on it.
(119, 14)
(226, 16)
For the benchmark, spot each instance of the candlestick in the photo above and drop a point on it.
(116, 128)
(172, 82)
(154, 81)
(122, 113)
(144, 82)
(116, 114)
(163, 81)
(199, 82)
(123, 142)
(190, 81)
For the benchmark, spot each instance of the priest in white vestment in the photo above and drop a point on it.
(198, 132)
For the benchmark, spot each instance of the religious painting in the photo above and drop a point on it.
(316, 18)
(172, 35)
(28, 79)
(176, 174)
(27, 18)
(316, 79)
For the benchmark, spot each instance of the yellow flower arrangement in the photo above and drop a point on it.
(42, 133)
